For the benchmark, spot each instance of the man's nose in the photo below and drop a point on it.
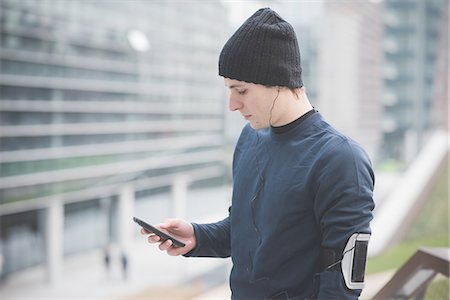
(234, 104)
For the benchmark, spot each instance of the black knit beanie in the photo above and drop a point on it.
(264, 50)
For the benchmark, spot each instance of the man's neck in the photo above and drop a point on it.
(291, 107)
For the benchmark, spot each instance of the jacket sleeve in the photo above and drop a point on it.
(343, 206)
(213, 240)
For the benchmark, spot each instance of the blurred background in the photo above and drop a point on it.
(111, 109)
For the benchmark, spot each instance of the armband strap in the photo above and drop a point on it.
(351, 261)
(331, 259)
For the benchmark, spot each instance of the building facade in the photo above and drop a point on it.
(415, 38)
(95, 95)
(350, 79)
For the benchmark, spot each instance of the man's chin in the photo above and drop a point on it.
(257, 126)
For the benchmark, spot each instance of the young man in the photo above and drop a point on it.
(301, 189)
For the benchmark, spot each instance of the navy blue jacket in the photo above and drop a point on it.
(294, 192)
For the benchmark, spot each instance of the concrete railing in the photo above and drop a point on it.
(399, 209)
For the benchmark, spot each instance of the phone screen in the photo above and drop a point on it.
(359, 261)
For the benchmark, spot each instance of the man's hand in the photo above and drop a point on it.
(179, 229)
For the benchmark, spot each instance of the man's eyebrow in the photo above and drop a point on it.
(235, 86)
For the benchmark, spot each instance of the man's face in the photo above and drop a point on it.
(253, 101)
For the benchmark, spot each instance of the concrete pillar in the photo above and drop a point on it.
(180, 186)
(54, 240)
(125, 215)
(179, 197)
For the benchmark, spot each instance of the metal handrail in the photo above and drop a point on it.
(412, 279)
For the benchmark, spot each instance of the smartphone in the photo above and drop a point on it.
(162, 235)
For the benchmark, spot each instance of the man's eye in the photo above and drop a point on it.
(242, 92)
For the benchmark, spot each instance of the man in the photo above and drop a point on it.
(301, 189)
